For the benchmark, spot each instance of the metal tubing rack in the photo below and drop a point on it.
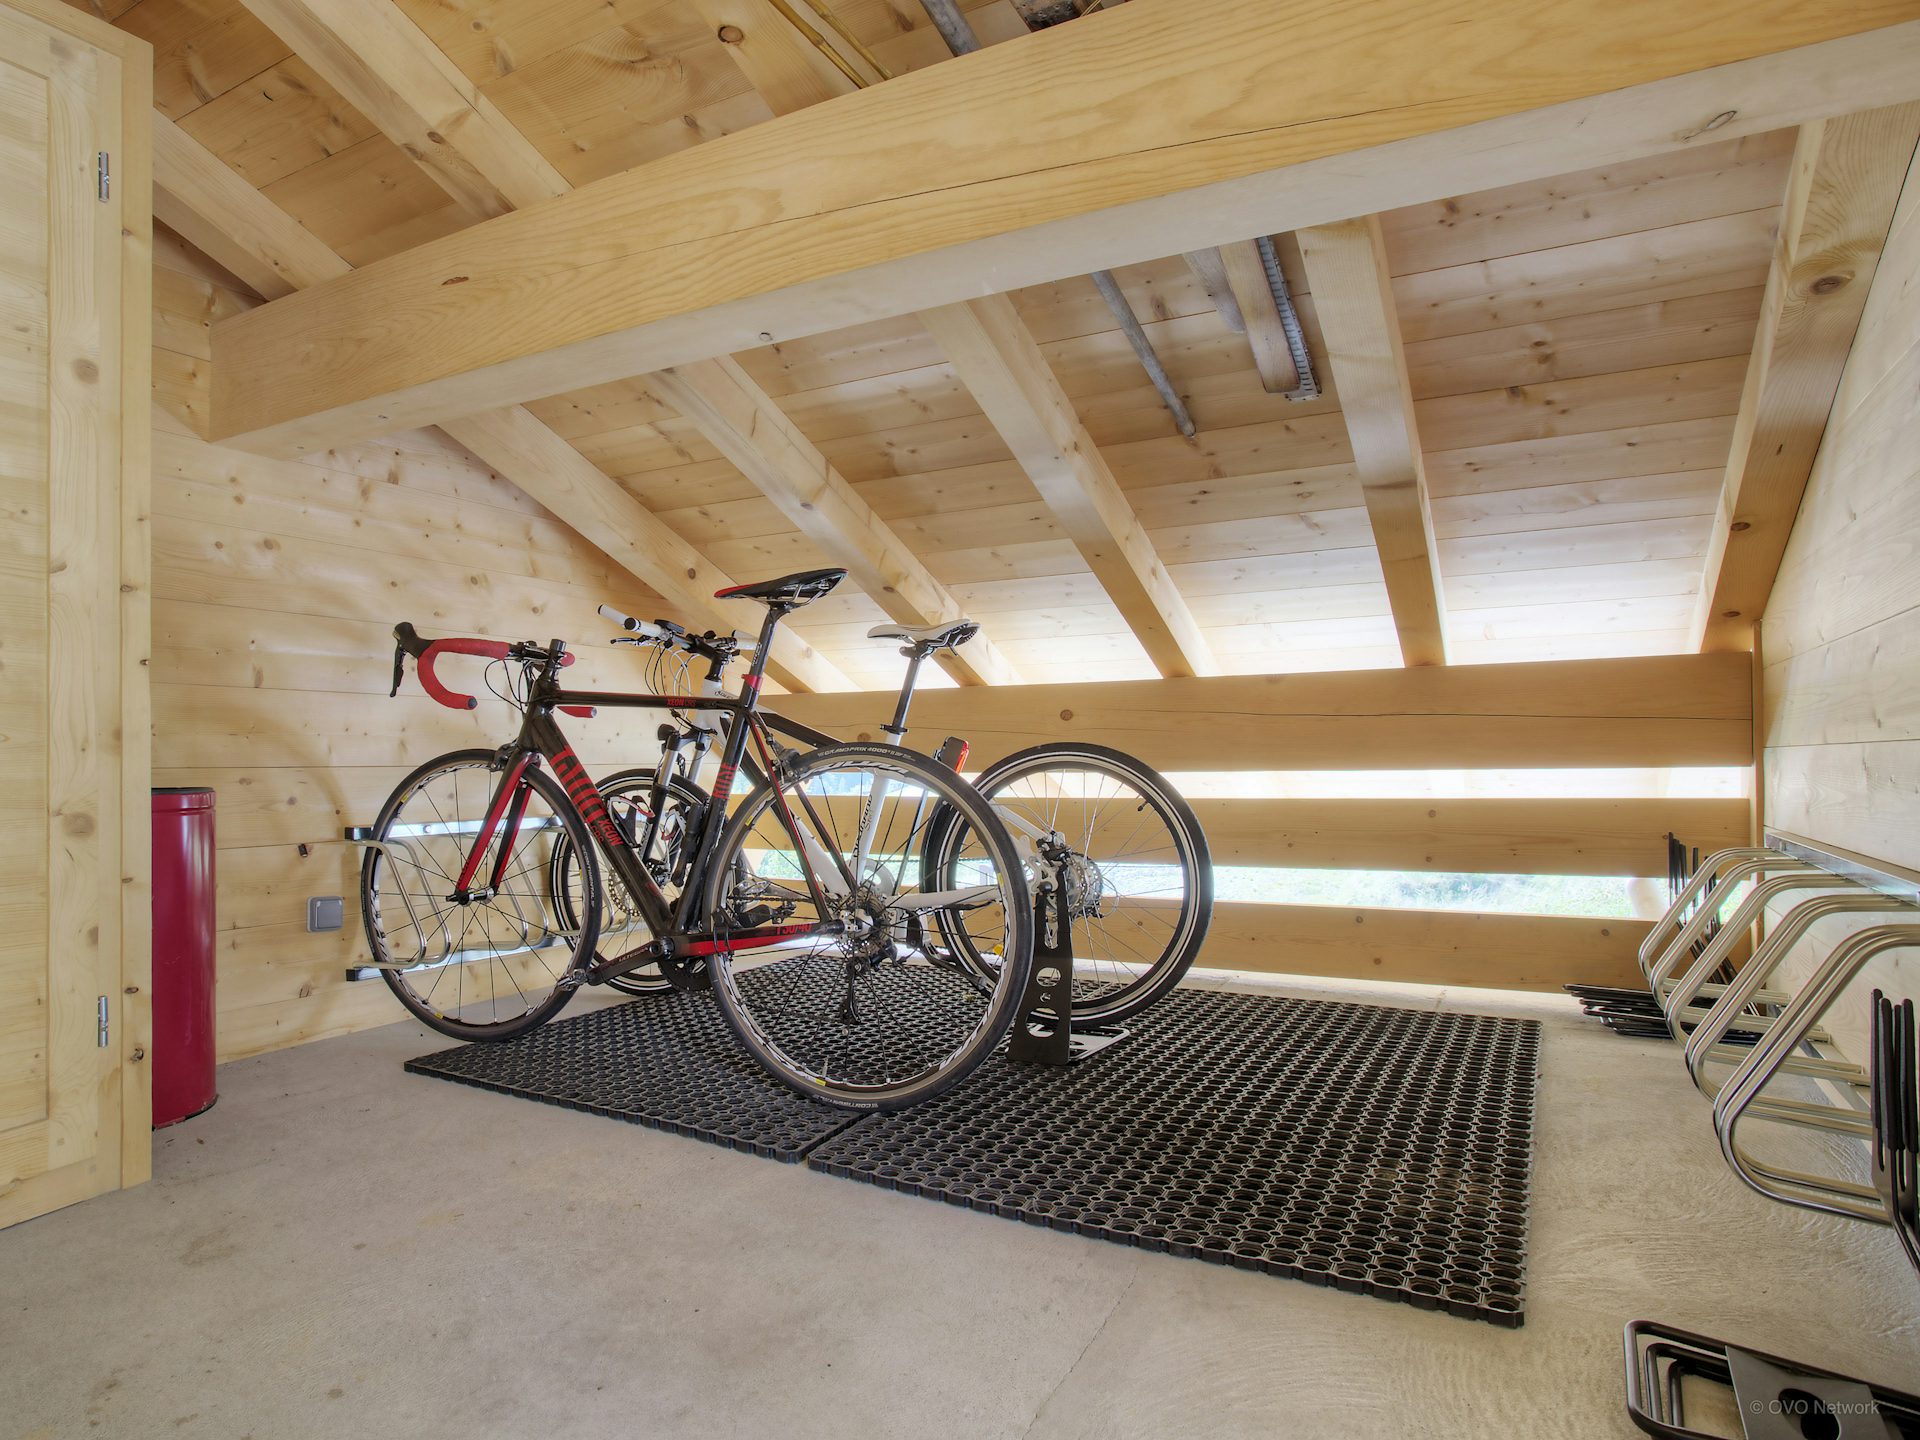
(1755, 1048)
(1784, 1069)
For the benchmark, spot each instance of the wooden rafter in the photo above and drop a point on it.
(368, 48)
(878, 203)
(1353, 296)
(998, 360)
(1845, 180)
(384, 64)
(1210, 269)
(742, 422)
(1246, 277)
(264, 246)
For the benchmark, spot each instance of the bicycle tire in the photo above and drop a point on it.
(1003, 991)
(1187, 933)
(556, 799)
(648, 979)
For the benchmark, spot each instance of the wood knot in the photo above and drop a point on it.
(731, 34)
(86, 370)
(1827, 284)
(1740, 525)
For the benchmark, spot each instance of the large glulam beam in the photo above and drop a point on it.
(264, 246)
(1844, 182)
(1134, 133)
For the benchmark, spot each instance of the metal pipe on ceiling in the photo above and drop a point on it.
(958, 32)
(1130, 326)
(1309, 387)
(953, 25)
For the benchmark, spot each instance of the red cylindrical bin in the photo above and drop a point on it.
(182, 953)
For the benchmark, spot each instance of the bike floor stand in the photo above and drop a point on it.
(1777, 1399)
(1033, 1040)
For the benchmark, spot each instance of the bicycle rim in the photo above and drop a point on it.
(879, 1017)
(1139, 878)
(484, 968)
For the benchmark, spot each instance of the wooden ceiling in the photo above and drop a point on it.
(1575, 348)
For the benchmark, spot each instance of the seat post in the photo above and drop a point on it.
(775, 614)
(897, 729)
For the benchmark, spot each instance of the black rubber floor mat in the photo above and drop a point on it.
(667, 1061)
(1377, 1150)
(1373, 1149)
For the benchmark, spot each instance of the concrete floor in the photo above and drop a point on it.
(339, 1248)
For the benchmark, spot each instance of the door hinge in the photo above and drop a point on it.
(104, 1028)
(104, 173)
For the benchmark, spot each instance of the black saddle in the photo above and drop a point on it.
(789, 591)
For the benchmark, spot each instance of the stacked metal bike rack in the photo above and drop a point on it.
(1755, 1048)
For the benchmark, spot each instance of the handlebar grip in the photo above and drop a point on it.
(624, 621)
(453, 699)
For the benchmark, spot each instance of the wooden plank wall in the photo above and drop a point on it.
(276, 588)
(278, 583)
(1680, 710)
(1841, 637)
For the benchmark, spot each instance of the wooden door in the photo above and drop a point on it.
(70, 971)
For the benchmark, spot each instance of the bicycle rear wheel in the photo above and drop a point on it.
(628, 796)
(877, 1017)
(1139, 878)
(487, 967)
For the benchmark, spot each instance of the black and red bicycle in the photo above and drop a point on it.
(804, 897)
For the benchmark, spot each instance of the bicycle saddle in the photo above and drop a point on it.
(789, 590)
(954, 633)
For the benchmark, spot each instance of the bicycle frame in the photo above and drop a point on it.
(682, 929)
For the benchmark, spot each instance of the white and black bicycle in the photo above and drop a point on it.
(1124, 849)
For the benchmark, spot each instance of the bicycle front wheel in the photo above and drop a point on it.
(876, 1016)
(1138, 875)
(487, 963)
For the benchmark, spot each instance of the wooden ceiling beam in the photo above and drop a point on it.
(201, 199)
(986, 341)
(743, 423)
(925, 190)
(1845, 181)
(1353, 296)
(381, 61)
(387, 68)
(999, 361)
(526, 451)
(264, 246)
(1246, 276)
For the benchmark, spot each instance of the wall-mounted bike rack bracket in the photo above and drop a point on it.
(1043, 1034)
(362, 835)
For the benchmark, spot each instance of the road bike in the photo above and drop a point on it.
(798, 898)
(1121, 845)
